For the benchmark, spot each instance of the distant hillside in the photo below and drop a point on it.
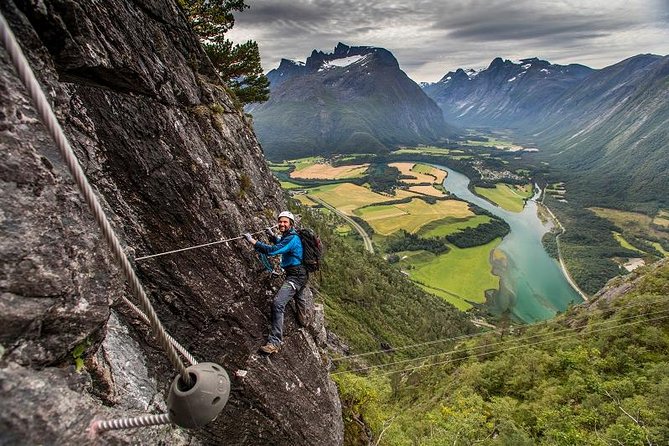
(610, 134)
(355, 99)
(597, 375)
(506, 94)
(606, 132)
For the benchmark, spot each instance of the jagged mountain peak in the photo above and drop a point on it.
(353, 53)
(334, 92)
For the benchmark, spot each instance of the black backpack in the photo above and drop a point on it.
(312, 249)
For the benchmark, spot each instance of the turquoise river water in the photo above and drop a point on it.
(532, 284)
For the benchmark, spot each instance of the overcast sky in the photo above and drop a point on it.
(432, 37)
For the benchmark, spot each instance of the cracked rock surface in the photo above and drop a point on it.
(174, 164)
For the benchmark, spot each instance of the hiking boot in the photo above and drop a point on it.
(270, 348)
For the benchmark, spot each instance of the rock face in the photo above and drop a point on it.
(175, 164)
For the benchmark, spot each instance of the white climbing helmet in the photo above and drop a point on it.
(287, 214)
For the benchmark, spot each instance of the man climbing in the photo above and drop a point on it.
(289, 247)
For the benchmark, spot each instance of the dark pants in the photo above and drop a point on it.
(293, 286)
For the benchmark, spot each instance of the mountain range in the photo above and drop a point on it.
(504, 93)
(607, 130)
(590, 125)
(355, 99)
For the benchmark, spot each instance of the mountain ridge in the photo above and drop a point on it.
(366, 105)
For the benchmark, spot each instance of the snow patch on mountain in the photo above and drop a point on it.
(343, 62)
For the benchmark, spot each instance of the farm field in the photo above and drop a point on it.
(461, 275)
(288, 185)
(662, 219)
(634, 223)
(348, 197)
(426, 190)
(387, 219)
(421, 173)
(509, 197)
(441, 228)
(323, 171)
(438, 174)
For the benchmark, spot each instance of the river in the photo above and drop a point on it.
(532, 284)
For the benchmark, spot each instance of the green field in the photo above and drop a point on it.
(387, 219)
(660, 249)
(441, 228)
(287, 185)
(509, 197)
(421, 150)
(302, 163)
(624, 243)
(423, 168)
(461, 275)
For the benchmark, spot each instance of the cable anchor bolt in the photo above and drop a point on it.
(199, 404)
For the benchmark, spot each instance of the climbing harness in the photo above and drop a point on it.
(202, 388)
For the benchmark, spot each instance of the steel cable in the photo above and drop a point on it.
(549, 338)
(49, 119)
(198, 246)
(463, 337)
(99, 426)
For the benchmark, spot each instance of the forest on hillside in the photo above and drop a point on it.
(597, 375)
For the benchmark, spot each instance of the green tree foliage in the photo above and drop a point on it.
(597, 375)
(406, 241)
(211, 19)
(479, 235)
(238, 65)
(368, 303)
(383, 178)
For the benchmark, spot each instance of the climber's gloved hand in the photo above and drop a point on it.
(269, 232)
(248, 237)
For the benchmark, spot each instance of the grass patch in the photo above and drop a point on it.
(448, 226)
(287, 185)
(634, 223)
(624, 243)
(660, 249)
(509, 197)
(464, 274)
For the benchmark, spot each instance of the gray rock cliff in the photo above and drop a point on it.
(175, 164)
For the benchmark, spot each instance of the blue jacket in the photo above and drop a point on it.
(289, 247)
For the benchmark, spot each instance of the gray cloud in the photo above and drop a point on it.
(431, 37)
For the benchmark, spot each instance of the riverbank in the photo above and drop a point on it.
(557, 242)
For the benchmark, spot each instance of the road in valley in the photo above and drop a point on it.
(365, 238)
